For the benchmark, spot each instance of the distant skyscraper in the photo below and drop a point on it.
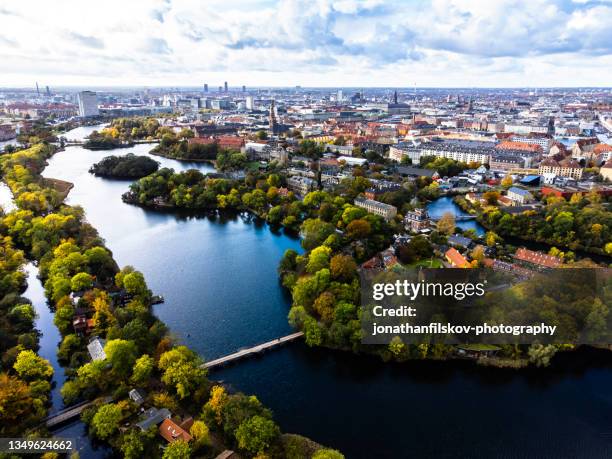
(250, 103)
(243, 88)
(395, 97)
(205, 87)
(220, 88)
(225, 86)
(88, 103)
(339, 96)
(48, 91)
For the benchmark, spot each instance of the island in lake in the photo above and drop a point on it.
(124, 167)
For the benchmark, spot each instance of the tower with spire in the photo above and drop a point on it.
(272, 119)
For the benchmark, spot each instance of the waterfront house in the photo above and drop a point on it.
(416, 220)
(96, 348)
(172, 432)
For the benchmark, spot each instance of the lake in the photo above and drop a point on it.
(218, 275)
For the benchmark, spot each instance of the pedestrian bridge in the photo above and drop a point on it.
(244, 353)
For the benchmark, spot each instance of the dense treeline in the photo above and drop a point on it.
(122, 132)
(582, 223)
(128, 166)
(24, 376)
(81, 279)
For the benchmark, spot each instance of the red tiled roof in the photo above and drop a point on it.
(172, 431)
(601, 148)
(455, 258)
(537, 258)
(509, 145)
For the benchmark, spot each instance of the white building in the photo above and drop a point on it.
(518, 196)
(250, 103)
(96, 348)
(353, 161)
(88, 103)
(386, 211)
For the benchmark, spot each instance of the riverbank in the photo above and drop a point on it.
(487, 219)
(162, 154)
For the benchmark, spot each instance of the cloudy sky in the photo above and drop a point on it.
(461, 43)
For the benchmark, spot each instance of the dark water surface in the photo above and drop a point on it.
(218, 276)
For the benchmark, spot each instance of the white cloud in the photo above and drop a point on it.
(307, 42)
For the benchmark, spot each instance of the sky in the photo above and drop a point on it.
(351, 43)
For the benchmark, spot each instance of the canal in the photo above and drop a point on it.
(444, 205)
(218, 276)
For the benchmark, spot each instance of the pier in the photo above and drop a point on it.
(252, 351)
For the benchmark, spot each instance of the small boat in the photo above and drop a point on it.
(157, 299)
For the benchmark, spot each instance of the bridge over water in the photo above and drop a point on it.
(244, 353)
(458, 218)
(71, 412)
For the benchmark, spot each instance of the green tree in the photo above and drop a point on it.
(143, 368)
(121, 354)
(106, 421)
(132, 445)
(318, 259)
(200, 433)
(358, 229)
(135, 284)
(397, 346)
(81, 281)
(446, 224)
(314, 232)
(596, 323)
(327, 454)
(30, 366)
(343, 267)
(70, 344)
(182, 370)
(16, 404)
(256, 434)
(178, 449)
(540, 354)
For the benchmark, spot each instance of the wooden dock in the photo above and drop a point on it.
(71, 412)
(252, 350)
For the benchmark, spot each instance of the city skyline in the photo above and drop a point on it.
(439, 43)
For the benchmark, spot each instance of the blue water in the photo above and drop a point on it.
(50, 338)
(444, 205)
(214, 271)
(48, 343)
(219, 279)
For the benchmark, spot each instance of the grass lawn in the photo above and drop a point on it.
(429, 263)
